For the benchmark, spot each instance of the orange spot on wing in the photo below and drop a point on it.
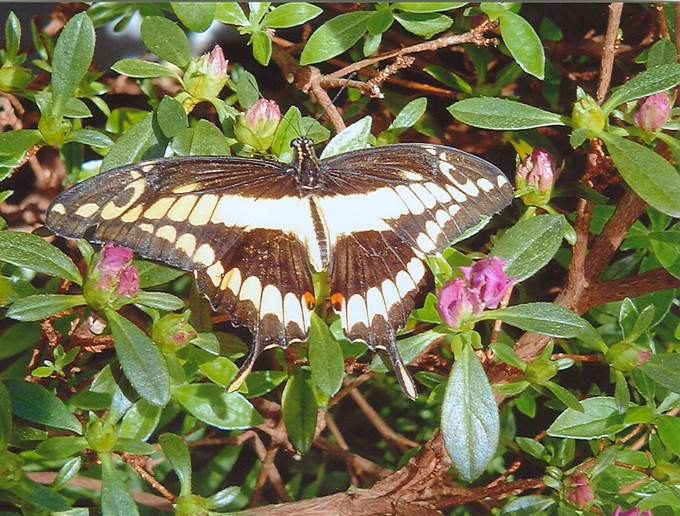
(336, 300)
(309, 300)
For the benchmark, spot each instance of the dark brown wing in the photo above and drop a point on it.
(239, 223)
(387, 207)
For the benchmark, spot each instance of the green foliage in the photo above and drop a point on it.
(86, 386)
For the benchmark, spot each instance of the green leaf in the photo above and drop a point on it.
(448, 78)
(31, 251)
(663, 369)
(175, 449)
(203, 139)
(72, 57)
(299, 409)
(5, 417)
(523, 43)
(600, 418)
(291, 14)
(325, 357)
(262, 46)
(669, 432)
(563, 395)
(422, 24)
(89, 137)
(663, 52)
(379, 22)
(159, 300)
(213, 405)
(61, 447)
(502, 114)
(140, 420)
(651, 176)
(35, 403)
(546, 318)
(38, 307)
(259, 383)
(508, 355)
(230, 13)
(14, 144)
(529, 245)
(152, 274)
(334, 37)
(470, 422)
(141, 361)
(196, 16)
(141, 141)
(219, 369)
(666, 247)
(165, 39)
(40, 497)
(116, 499)
(171, 116)
(408, 116)
(142, 69)
(409, 349)
(354, 137)
(18, 338)
(427, 7)
(654, 80)
(134, 446)
(247, 90)
(528, 506)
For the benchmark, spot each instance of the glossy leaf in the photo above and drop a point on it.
(659, 78)
(5, 417)
(291, 14)
(140, 420)
(141, 361)
(141, 69)
(470, 422)
(159, 300)
(334, 37)
(427, 7)
(663, 52)
(299, 408)
(175, 449)
(142, 141)
(230, 13)
(262, 46)
(523, 43)
(409, 349)
(529, 245)
(546, 318)
(152, 274)
(425, 25)
(40, 497)
(61, 447)
(325, 357)
(196, 16)
(171, 116)
(40, 306)
(211, 404)
(35, 403)
(165, 39)
(72, 57)
(651, 176)
(116, 499)
(409, 115)
(600, 418)
(669, 432)
(354, 137)
(502, 114)
(31, 251)
(663, 369)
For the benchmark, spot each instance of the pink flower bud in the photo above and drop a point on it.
(654, 112)
(486, 283)
(257, 126)
(452, 302)
(580, 492)
(206, 75)
(263, 109)
(128, 282)
(111, 281)
(538, 171)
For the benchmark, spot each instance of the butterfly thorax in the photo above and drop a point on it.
(306, 163)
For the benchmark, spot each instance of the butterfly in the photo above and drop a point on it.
(252, 231)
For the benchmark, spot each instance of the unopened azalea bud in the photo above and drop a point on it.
(453, 303)
(486, 283)
(11, 469)
(654, 112)
(206, 75)
(587, 114)
(536, 175)
(172, 332)
(624, 356)
(579, 491)
(111, 281)
(101, 436)
(256, 127)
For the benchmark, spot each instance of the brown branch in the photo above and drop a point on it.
(609, 50)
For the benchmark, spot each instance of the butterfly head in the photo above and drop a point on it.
(306, 162)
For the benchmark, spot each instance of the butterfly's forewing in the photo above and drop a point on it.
(238, 223)
(387, 207)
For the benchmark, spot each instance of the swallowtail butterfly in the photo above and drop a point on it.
(252, 231)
